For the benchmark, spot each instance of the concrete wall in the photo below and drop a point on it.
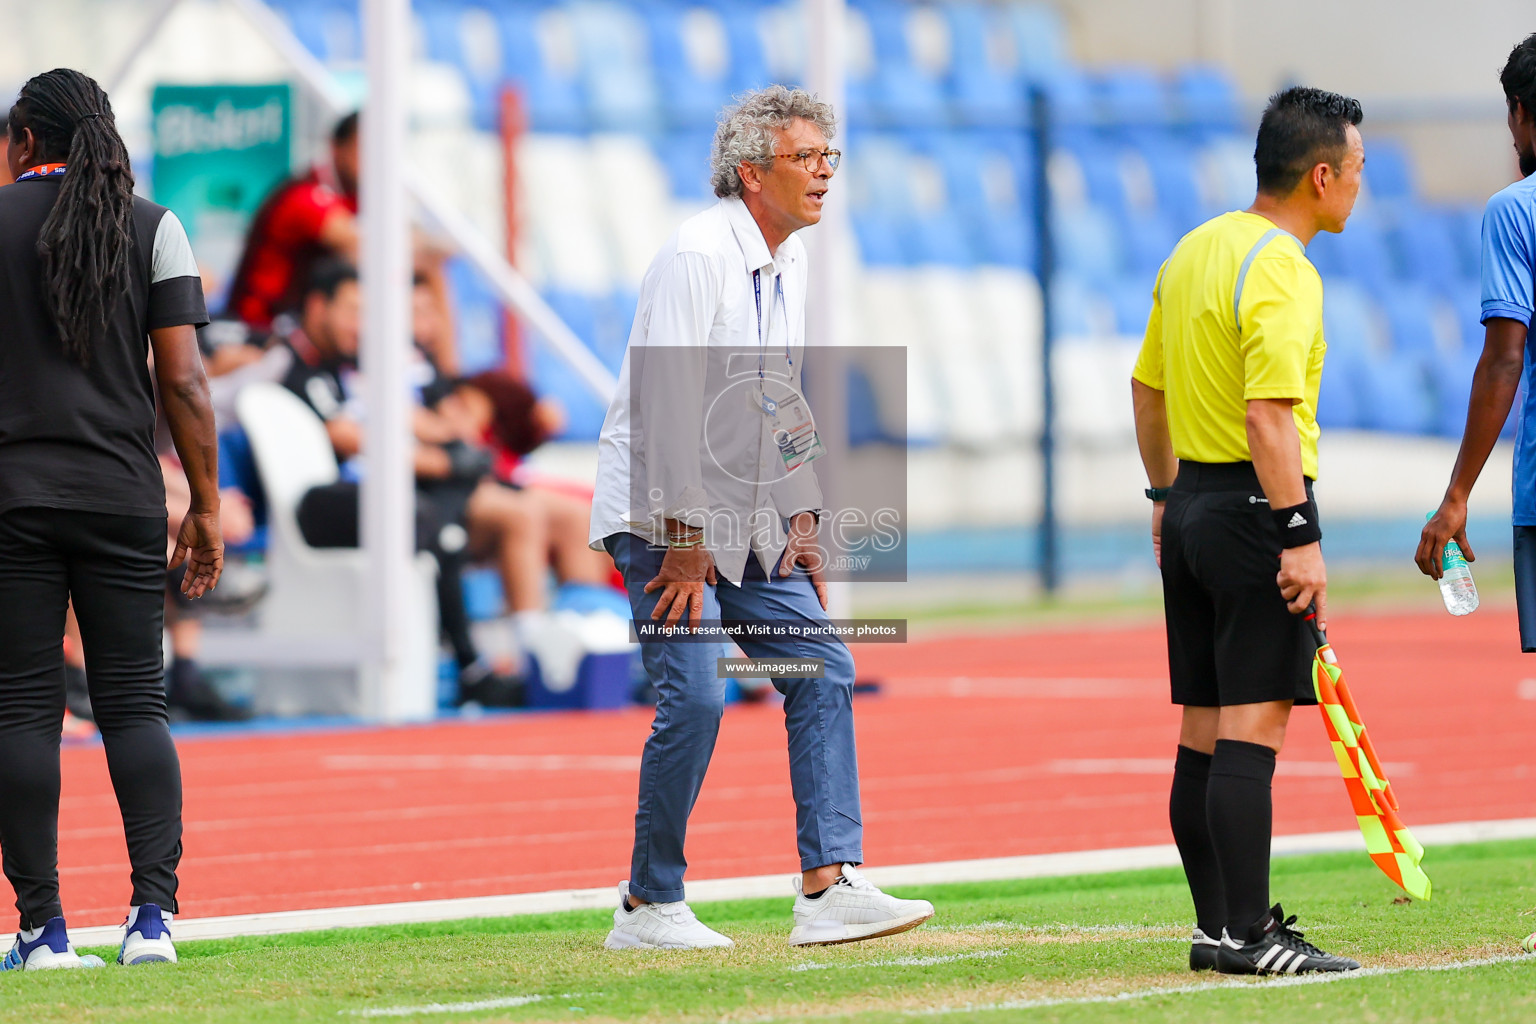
(1426, 70)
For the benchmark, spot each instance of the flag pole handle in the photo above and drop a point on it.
(1317, 631)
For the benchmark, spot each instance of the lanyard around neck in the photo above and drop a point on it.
(42, 171)
(762, 338)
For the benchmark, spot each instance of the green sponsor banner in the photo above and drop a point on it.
(219, 149)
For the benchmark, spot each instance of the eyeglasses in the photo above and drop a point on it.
(811, 159)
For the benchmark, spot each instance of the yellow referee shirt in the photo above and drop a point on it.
(1237, 313)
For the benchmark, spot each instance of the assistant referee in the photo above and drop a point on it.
(1225, 393)
(92, 278)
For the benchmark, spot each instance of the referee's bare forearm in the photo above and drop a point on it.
(1276, 449)
(1152, 436)
(188, 411)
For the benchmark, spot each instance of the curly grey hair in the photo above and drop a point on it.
(745, 131)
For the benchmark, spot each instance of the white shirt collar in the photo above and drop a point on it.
(754, 249)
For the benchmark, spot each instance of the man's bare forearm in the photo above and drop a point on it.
(1494, 384)
(1275, 447)
(1152, 437)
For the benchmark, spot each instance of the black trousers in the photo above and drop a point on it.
(114, 568)
(328, 518)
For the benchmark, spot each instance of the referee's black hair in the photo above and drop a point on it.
(1301, 128)
(1519, 75)
(86, 241)
(345, 130)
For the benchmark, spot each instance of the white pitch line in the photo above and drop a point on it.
(993, 869)
(1233, 985)
(413, 1011)
(904, 961)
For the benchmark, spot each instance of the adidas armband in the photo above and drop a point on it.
(1298, 524)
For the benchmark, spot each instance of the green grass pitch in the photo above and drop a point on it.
(1036, 950)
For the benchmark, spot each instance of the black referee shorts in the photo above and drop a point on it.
(1231, 639)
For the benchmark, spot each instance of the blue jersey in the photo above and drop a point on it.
(1509, 268)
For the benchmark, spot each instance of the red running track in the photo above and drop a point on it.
(980, 746)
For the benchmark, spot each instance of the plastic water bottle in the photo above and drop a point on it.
(1456, 586)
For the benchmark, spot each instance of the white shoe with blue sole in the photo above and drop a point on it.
(46, 948)
(148, 940)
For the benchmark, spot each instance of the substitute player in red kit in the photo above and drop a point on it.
(1225, 394)
(303, 221)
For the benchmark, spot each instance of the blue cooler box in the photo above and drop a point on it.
(602, 681)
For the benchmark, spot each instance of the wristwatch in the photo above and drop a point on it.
(1158, 493)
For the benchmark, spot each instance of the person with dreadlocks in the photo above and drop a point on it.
(93, 279)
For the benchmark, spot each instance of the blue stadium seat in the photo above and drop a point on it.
(578, 311)
(615, 67)
(1338, 406)
(1175, 180)
(1006, 237)
(1148, 239)
(749, 66)
(1411, 313)
(551, 376)
(1206, 99)
(237, 468)
(1100, 163)
(1466, 299)
(983, 93)
(1425, 246)
(1071, 98)
(938, 238)
(553, 101)
(1466, 224)
(1349, 319)
(444, 31)
(1388, 172)
(1073, 302)
(1396, 396)
(685, 155)
(614, 316)
(863, 411)
(1359, 253)
(1133, 100)
(901, 92)
(478, 318)
(692, 99)
(1087, 243)
(330, 31)
(1038, 37)
(880, 242)
(1453, 387)
(1132, 298)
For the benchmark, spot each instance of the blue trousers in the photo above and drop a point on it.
(818, 714)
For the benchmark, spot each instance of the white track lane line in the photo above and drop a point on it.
(1232, 985)
(1045, 865)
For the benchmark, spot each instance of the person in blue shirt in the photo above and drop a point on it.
(1509, 350)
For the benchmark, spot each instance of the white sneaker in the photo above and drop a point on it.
(46, 948)
(851, 910)
(148, 938)
(660, 926)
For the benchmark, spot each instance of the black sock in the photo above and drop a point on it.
(629, 908)
(817, 895)
(1192, 834)
(1240, 810)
